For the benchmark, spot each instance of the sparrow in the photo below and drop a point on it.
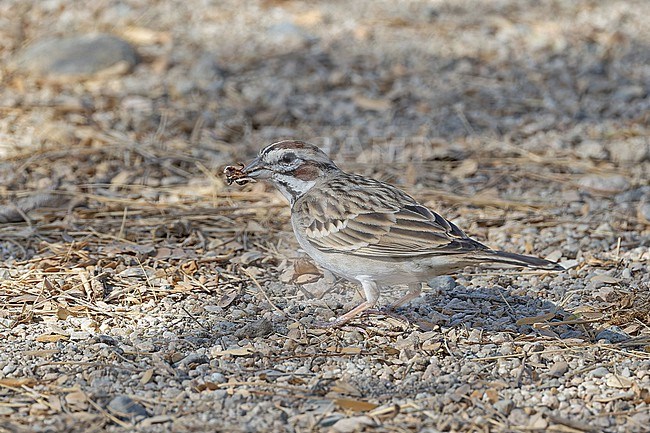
(367, 231)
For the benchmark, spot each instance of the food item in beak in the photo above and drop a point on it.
(237, 175)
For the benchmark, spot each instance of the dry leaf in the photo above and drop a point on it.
(492, 395)
(606, 279)
(189, 267)
(17, 382)
(554, 256)
(146, 376)
(157, 419)
(535, 319)
(386, 412)
(431, 345)
(51, 338)
(62, 313)
(44, 352)
(372, 104)
(145, 36)
(466, 168)
(616, 381)
(237, 351)
(354, 405)
(343, 387)
(228, 297)
(209, 386)
(77, 398)
(390, 350)
(248, 257)
(545, 330)
(302, 266)
(305, 279)
(344, 350)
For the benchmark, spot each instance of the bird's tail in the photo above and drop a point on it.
(520, 260)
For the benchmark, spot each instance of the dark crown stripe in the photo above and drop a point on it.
(285, 144)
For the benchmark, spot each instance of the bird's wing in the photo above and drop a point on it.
(380, 228)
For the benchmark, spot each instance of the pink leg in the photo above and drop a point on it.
(389, 311)
(414, 291)
(371, 291)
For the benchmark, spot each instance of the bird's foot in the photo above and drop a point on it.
(389, 311)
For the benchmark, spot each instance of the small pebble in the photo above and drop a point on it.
(77, 56)
(126, 408)
(444, 283)
(613, 334)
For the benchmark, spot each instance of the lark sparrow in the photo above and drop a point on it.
(366, 230)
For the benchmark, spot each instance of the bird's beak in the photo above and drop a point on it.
(256, 170)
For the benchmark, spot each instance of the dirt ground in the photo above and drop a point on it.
(138, 292)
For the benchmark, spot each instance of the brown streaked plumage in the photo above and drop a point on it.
(366, 230)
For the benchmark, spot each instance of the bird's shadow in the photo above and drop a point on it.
(488, 309)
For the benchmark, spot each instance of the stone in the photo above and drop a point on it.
(444, 283)
(643, 212)
(631, 150)
(80, 56)
(259, 328)
(613, 334)
(604, 184)
(628, 93)
(207, 73)
(289, 36)
(352, 424)
(192, 360)
(558, 369)
(125, 408)
(590, 149)
(504, 406)
(599, 372)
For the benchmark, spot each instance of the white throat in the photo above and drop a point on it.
(291, 187)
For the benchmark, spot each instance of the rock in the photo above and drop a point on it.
(444, 283)
(192, 360)
(504, 406)
(604, 184)
(59, 133)
(518, 417)
(125, 408)
(217, 378)
(352, 424)
(537, 422)
(558, 369)
(289, 36)
(590, 149)
(207, 73)
(613, 334)
(641, 418)
(616, 381)
(628, 93)
(259, 328)
(599, 372)
(643, 212)
(631, 150)
(78, 56)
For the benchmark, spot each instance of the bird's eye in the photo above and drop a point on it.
(288, 158)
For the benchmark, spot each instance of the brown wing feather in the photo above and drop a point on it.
(372, 224)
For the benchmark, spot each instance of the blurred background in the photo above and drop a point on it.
(213, 78)
(525, 122)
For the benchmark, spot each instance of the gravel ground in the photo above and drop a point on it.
(138, 292)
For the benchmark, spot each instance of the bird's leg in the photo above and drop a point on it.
(371, 291)
(414, 291)
(389, 311)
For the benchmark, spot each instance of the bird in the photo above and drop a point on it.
(367, 231)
